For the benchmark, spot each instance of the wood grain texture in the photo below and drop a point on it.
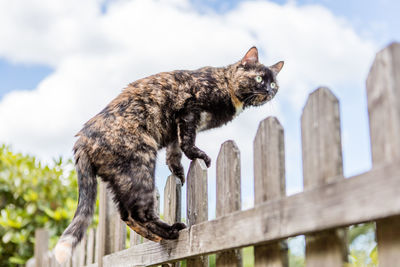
(383, 91)
(41, 247)
(228, 195)
(197, 202)
(322, 162)
(269, 184)
(269, 161)
(97, 243)
(321, 139)
(90, 246)
(116, 228)
(172, 200)
(134, 238)
(358, 199)
(172, 205)
(78, 255)
(30, 263)
(111, 229)
(102, 235)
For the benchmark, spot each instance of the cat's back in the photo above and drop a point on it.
(145, 107)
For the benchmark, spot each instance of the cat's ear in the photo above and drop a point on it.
(251, 56)
(276, 68)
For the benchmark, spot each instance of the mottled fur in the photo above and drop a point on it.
(120, 143)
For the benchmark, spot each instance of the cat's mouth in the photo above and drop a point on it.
(259, 98)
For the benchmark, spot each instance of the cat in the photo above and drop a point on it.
(120, 143)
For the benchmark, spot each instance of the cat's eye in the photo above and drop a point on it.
(272, 85)
(258, 79)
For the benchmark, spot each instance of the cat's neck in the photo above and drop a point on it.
(237, 103)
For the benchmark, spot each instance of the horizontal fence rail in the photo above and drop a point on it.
(328, 204)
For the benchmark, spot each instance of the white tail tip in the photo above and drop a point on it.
(63, 251)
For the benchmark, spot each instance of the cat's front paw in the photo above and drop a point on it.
(175, 228)
(178, 226)
(180, 173)
(207, 160)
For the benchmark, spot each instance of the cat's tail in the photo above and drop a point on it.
(83, 215)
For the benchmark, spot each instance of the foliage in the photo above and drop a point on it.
(363, 249)
(32, 196)
(296, 260)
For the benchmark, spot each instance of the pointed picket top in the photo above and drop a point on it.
(383, 92)
(269, 161)
(228, 179)
(322, 95)
(321, 138)
(197, 204)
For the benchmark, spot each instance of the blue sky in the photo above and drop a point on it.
(73, 69)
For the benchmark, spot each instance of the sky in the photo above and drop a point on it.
(61, 62)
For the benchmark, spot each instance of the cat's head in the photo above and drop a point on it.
(253, 83)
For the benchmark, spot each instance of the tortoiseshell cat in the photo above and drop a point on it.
(120, 143)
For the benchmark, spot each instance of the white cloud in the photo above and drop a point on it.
(95, 55)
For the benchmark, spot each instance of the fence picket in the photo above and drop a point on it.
(383, 91)
(78, 255)
(134, 238)
(41, 246)
(102, 234)
(228, 195)
(90, 246)
(322, 163)
(172, 205)
(197, 202)
(269, 184)
(111, 229)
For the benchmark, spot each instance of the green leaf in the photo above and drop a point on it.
(374, 255)
(7, 237)
(17, 260)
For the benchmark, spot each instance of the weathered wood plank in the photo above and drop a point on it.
(269, 184)
(228, 195)
(41, 247)
(90, 246)
(172, 204)
(31, 263)
(97, 243)
(102, 235)
(111, 229)
(117, 229)
(134, 238)
(321, 139)
(383, 91)
(172, 200)
(322, 161)
(197, 202)
(78, 255)
(343, 202)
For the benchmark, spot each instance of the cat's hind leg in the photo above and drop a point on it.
(141, 230)
(133, 187)
(143, 213)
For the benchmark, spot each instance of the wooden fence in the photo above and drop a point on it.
(321, 212)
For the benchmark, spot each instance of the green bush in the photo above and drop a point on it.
(32, 195)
